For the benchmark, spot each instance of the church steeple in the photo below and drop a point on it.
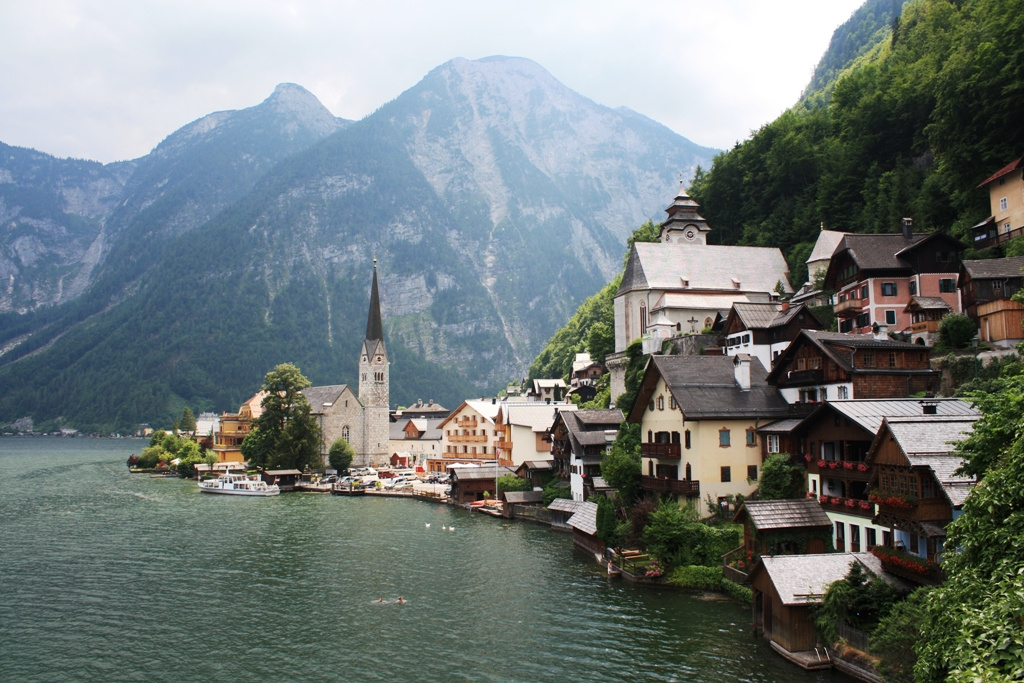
(374, 326)
(374, 383)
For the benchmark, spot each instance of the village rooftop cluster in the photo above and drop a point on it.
(740, 368)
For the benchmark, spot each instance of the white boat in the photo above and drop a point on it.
(236, 484)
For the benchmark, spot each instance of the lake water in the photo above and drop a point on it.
(109, 576)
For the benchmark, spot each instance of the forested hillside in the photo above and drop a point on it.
(909, 131)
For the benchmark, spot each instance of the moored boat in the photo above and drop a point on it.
(348, 489)
(233, 483)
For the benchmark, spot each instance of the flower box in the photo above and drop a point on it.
(822, 464)
(823, 499)
(847, 465)
(807, 457)
(850, 503)
(862, 467)
(833, 464)
(865, 505)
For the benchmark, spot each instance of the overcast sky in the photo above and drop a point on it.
(109, 79)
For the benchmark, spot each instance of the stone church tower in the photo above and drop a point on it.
(374, 384)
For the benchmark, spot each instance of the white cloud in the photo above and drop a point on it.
(109, 80)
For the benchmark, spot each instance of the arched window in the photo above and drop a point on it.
(345, 433)
(643, 318)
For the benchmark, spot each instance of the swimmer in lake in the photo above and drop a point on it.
(401, 600)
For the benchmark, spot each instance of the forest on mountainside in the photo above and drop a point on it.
(909, 129)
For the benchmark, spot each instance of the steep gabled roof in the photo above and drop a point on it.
(928, 441)
(705, 387)
(763, 316)
(319, 397)
(1009, 168)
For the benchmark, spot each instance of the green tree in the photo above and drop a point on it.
(974, 625)
(621, 466)
(285, 435)
(780, 478)
(340, 455)
(187, 423)
(956, 330)
(600, 341)
(510, 482)
(896, 635)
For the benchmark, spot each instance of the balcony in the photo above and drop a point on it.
(853, 470)
(849, 506)
(816, 376)
(468, 438)
(665, 451)
(690, 489)
(848, 308)
(924, 326)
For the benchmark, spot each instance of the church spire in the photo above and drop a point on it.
(374, 326)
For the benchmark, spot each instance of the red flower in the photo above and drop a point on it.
(822, 463)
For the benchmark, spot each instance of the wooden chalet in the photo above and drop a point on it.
(926, 312)
(915, 485)
(874, 276)
(777, 527)
(819, 366)
(986, 289)
(286, 479)
(787, 588)
(537, 472)
(471, 483)
(764, 330)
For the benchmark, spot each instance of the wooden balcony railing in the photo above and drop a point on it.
(468, 438)
(689, 488)
(665, 451)
(848, 307)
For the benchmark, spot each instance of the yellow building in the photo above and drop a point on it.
(1006, 199)
(698, 418)
(233, 428)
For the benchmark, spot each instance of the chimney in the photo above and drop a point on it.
(741, 370)
(881, 332)
(785, 306)
(908, 228)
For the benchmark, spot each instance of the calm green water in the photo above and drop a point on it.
(108, 576)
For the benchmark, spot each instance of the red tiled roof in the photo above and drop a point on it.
(1009, 168)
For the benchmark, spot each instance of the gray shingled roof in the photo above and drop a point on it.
(585, 518)
(318, 396)
(705, 387)
(995, 268)
(565, 505)
(781, 426)
(803, 579)
(539, 464)
(825, 245)
(657, 265)
(869, 412)
(928, 443)
(523, 497)
(481, 472)
(929, 434)
(785, 514)
(927, 303)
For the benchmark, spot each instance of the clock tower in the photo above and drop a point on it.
(684, 224)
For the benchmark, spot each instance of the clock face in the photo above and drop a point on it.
(690, 234)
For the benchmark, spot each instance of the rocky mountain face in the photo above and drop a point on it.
(494, 199)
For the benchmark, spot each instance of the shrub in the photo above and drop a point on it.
(697, 577)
